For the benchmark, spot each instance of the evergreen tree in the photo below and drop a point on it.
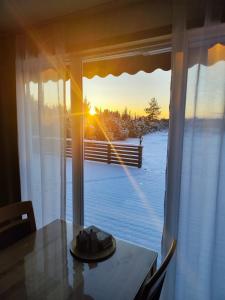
(153, 110)
(86, 106)
(125, 115)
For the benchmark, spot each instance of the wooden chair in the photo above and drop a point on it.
(16, 221)
(151, 287)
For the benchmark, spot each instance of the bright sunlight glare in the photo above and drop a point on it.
(92, 111)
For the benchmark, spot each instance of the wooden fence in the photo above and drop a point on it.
(110, 153)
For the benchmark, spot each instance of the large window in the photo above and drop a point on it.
(124, 200)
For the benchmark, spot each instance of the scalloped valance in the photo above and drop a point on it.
(130, 65)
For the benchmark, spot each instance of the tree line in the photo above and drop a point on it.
(113, 125)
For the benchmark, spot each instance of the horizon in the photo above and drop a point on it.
(133, 92)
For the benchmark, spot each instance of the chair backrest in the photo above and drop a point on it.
(151, 288)
(16, 221)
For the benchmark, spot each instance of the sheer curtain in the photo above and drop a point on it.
(195, 216)
(41, 131)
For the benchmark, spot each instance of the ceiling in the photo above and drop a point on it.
(17, 13)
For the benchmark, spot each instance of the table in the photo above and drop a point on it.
(41, 266)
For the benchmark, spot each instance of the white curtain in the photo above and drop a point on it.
(195, 202)
(41, 131)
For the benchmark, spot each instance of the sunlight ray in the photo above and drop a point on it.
(141, 194)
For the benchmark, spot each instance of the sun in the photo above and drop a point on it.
(92, 111)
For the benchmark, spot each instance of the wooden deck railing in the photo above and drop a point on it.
(110, 153)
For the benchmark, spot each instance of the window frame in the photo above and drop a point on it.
(151, 46)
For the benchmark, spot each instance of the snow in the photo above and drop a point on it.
(125, 201)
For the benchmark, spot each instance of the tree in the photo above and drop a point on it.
(153, 110)
(86, 106)
(125, 115)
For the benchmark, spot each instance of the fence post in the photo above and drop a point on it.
(109, 153)
(140, 148)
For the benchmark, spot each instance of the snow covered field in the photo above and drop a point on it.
(127, 202)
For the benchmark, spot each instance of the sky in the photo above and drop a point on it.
(204, 93)
(118, 92)
(131, 91)
(205, 96)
